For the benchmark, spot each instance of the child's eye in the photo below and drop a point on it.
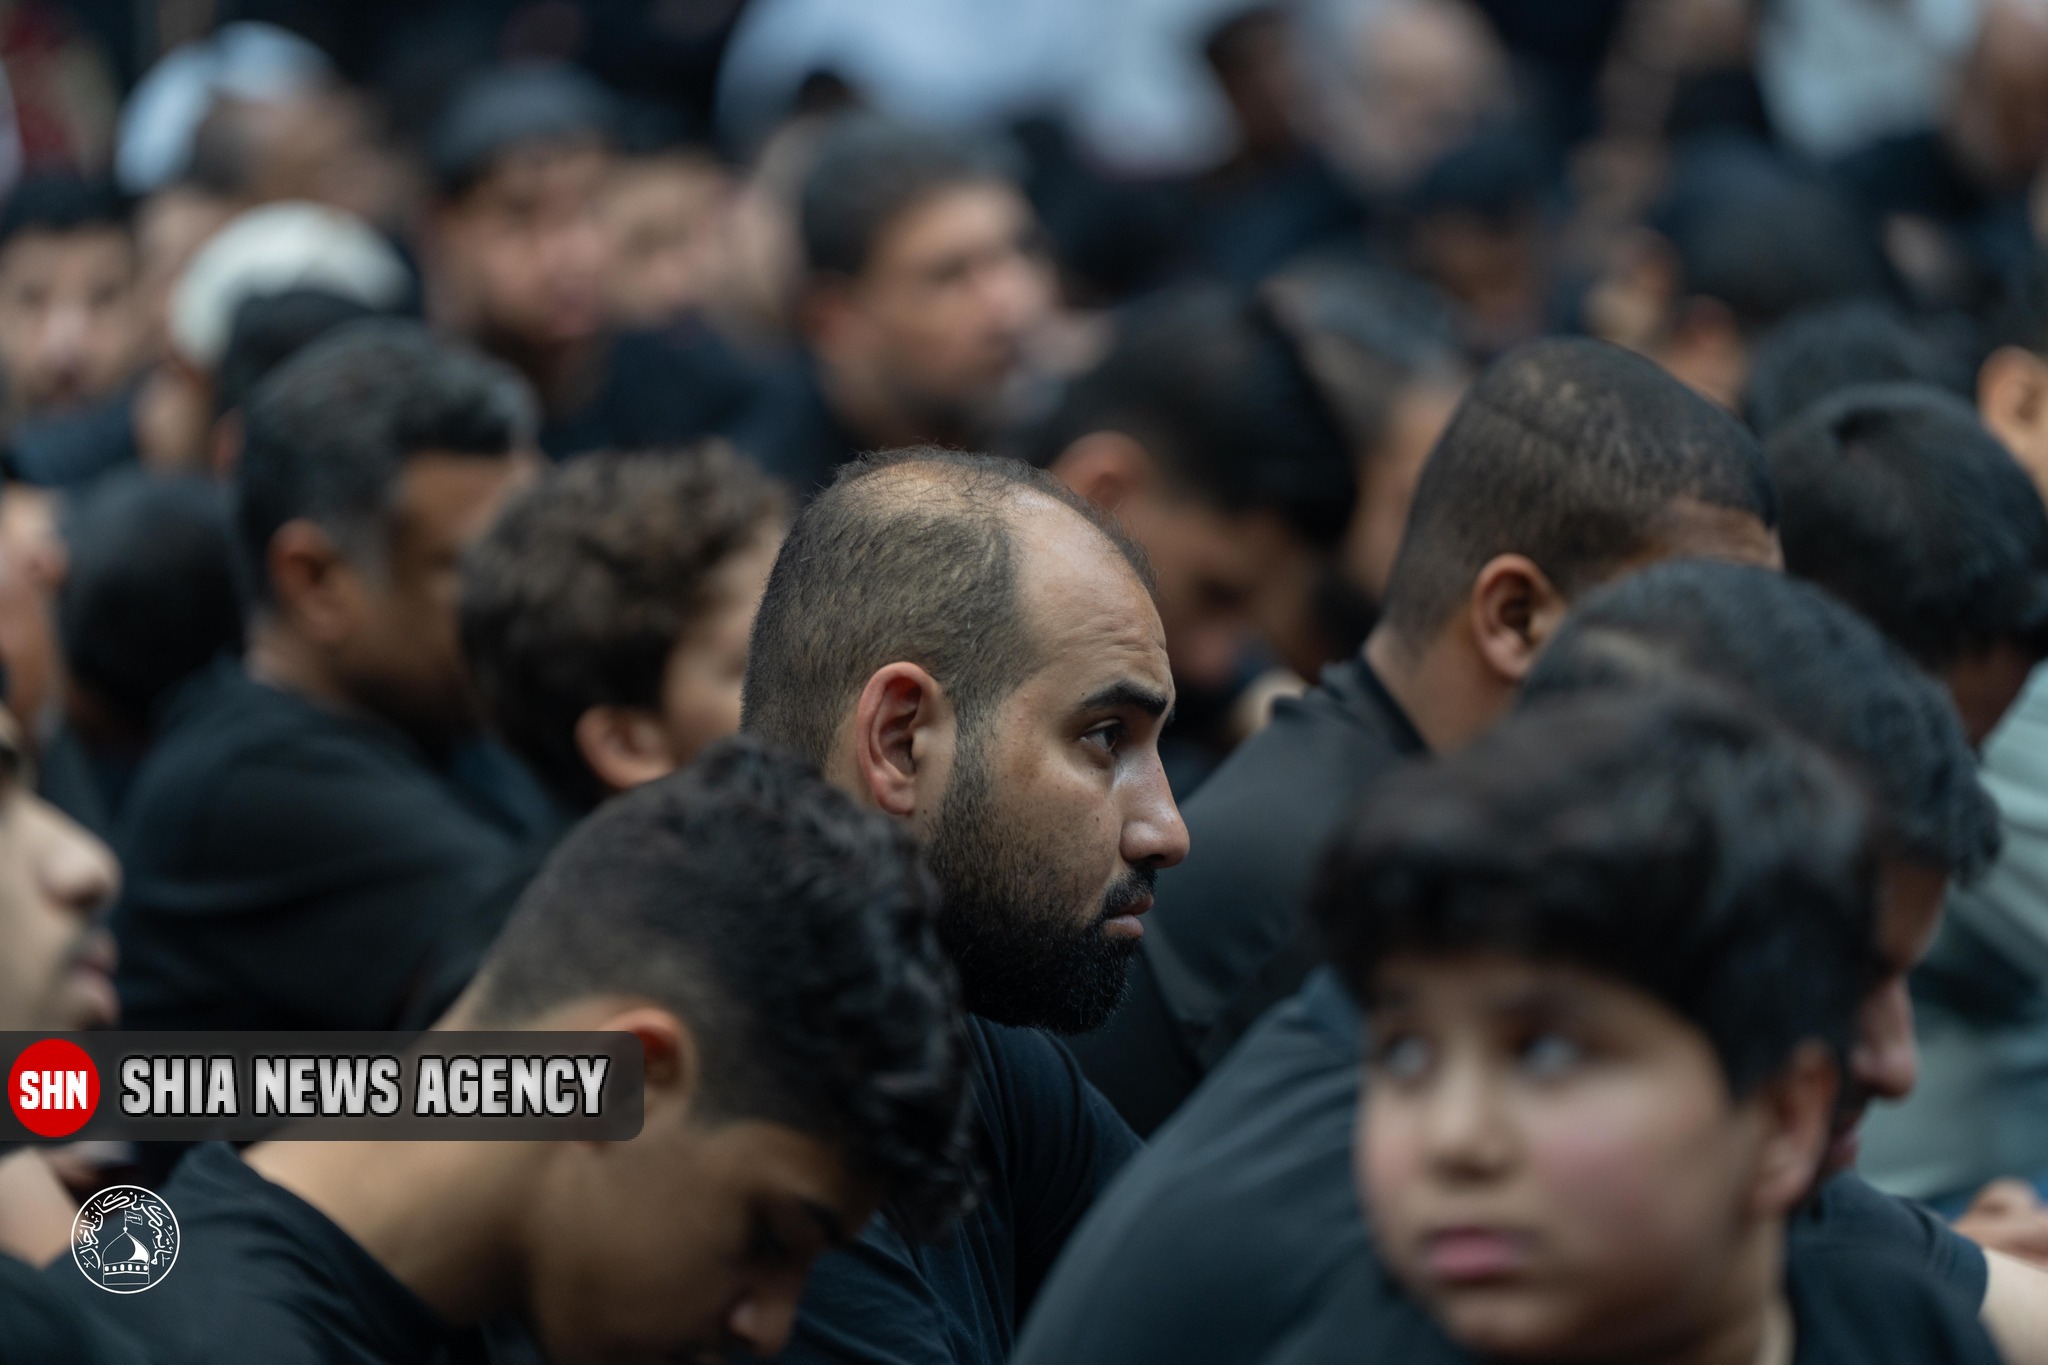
(1549, 1055)
(1402, 1057)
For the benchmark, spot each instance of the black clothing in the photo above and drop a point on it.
(1851, 1305)
(1239, 1223)
(265, 1278)
(40, 1324)
(1917, 174)
(792, 432)
(288, 866)
(1049, 1145)
(658, 388)
(1228, 935)
(69, 449)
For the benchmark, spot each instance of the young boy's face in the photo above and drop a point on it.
(1554, 1164)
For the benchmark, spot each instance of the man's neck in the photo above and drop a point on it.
(1450, 698)
(434, 1214)
(564, 373)
(864, 408)
(280, 657)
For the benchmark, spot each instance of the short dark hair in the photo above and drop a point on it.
(1814, 664)
(149, 594)
(866, 172)
(269, 329)
(793, 933)
(1815, 354)
(577, 596)
(1765, 239)
(328, 434)
(1206, 380)
(875, 571)
(503, 108)
(1571, 452)
(1366, 334)
(58, 202)
(1897, 500)
(1670, 841)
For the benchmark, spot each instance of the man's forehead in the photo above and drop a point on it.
(1080, 598)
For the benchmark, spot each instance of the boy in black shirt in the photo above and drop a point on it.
(771, 947)
(1610, 959)
(605, 617)
(296, 839)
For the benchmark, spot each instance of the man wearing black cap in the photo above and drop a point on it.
(516, 262)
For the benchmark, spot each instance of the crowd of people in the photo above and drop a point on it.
(1265, 682)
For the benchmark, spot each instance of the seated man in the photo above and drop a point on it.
(1566, 464)
(605, 616)
(518, 255)
(1895, 498)
(966, 645)
(921, 283)
(294, 843)
(54, 881)
(1263, 1148)
(1610, 959)
(771, 946)
(1202, 431)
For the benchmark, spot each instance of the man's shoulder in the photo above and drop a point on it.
(1261, 1149)
(264, 1278)
(42, 1322)
(1849, 1210)
(1854, 1301)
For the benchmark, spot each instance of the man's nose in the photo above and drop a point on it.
(77, 870)
(761, 1321)
(1885, 1061)
(1154, 834)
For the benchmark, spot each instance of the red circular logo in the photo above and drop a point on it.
(53, 1088)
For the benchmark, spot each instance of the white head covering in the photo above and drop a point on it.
(268, 250)
(247, 60)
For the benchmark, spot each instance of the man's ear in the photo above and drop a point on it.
(672, 1067)
(826, 316)
(2012, 396)
(1705, 351)
(1105, 467)
(904, 735)
(315, 586)
(624, 745)
(1515, 610)
(1796, 1109)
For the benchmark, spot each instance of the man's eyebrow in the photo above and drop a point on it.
(1126, 694)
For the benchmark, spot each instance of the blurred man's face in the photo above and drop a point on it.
(666, 217)
(525, 253)
(689, 1242)
(69, 328)
(1211, 567)
(1058, 815)
(935, 326)
(403, 659)
(1884, 1061)
(56, 963)
(1417, 82)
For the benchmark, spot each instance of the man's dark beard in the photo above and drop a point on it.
(1005, 923)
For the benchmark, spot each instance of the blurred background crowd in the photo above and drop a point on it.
(1225, 266)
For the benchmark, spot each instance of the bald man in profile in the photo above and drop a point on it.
(964, 644)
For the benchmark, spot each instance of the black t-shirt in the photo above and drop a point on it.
(264, 1278)
(40, 1324)
(1228, 933)
(1049, 1145)
(1238, 1224)
(657, 388)
(1851, 1305)
(287, 866)
(791, 430)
